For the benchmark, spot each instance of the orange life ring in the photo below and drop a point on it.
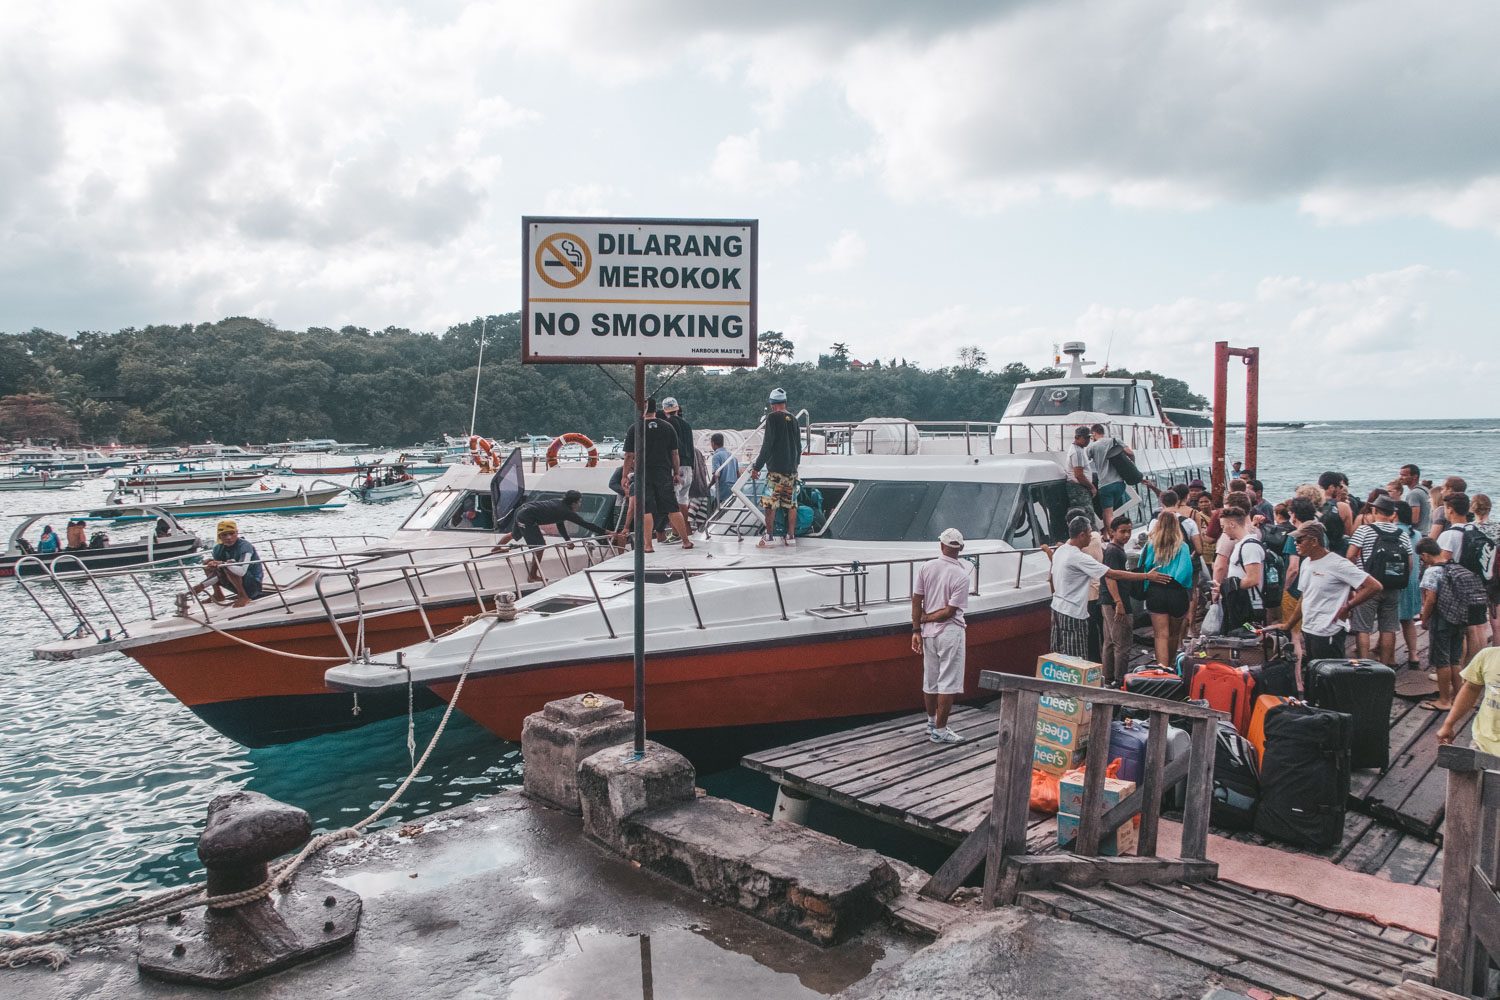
(571, 438)
(484, 453)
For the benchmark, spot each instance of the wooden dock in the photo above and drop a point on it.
(889, 771)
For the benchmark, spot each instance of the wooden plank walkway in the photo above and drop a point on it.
(889, 771)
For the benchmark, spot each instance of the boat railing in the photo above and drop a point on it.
(517, 564)
(995, 438)
(305, 581)
(854, 579)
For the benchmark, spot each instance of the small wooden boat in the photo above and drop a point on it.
(189, 478)
(266, 500)
(164, 541)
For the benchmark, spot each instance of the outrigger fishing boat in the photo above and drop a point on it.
(740, 635)
(166, 542)
(256, 673)
(46, 480)
(377, 483)
(188, 477)
(127, 505)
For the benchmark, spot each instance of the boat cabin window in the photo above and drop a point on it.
(1061, 400)
(1111, 399)
(474, 511)
(919, 511)
(1019, 401)
(429, 512)
(1042, 517)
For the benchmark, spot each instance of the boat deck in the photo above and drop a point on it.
(888, 771)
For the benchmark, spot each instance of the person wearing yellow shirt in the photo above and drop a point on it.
(1482, 687)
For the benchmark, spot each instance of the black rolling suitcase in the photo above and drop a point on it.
(1304, 775)
(1236, 780)
(1363, 689)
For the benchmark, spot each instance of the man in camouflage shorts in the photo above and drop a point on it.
(780, 452)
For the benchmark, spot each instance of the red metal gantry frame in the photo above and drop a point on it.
(1222, 353)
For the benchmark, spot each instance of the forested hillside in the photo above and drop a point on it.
(243, 380)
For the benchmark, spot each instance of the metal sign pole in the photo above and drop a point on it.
(638, 492)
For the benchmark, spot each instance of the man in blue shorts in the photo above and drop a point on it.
(1111, 486)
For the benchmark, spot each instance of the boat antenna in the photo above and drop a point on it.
(1107, 348)
(474, 411)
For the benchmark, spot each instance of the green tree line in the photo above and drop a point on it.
(244, 380)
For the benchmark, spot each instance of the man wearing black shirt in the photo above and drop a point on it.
(661, 471)
(558, 511)
(1115, 604)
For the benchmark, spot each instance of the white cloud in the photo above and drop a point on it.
(843, 254)
(739, 166)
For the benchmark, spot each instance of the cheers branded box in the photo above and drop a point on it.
(1060, 732)
(1055, 759)
(1070, 793)
(1069, 670)
(1123, 841)
(1063, 707)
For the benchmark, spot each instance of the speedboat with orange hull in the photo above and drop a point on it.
(739, 635)
(256, 673)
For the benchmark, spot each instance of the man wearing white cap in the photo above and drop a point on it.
(939, 633)
(780, 452)
(685, 450)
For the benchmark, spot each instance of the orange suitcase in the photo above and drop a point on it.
(1257, 733)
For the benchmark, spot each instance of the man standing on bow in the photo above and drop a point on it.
(780, 453)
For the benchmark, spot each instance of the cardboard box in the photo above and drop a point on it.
(1063, 707)
(1055, 759)
(1123, 841)
(1060, 732)
(1070, 792)
(1069, 670)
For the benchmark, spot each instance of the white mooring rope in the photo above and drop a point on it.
(48, 946)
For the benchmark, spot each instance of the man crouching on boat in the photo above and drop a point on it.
(234, 564)
(938, 632)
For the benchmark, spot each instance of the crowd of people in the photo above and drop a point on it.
(1324, 565)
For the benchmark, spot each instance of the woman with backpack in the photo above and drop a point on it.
(1167, 551)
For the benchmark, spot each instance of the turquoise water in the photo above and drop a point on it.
(104, 777)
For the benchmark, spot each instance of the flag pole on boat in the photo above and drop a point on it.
(474, 411)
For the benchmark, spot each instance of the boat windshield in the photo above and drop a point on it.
(430, 511)
(1115, 400)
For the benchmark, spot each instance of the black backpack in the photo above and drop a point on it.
(1390, 560)
(1272, 573)
(1333, 525)
(1275, 536)
(1478, 553)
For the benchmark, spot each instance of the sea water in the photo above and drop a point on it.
(104, 777)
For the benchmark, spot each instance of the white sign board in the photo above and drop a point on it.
(664, 291)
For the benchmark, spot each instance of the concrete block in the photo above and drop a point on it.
(555, 741)
(788, 876)
(612, 788)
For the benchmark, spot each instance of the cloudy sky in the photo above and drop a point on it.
(1318, 178)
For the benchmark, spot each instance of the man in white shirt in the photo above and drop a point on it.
(1240, 588)
(1073, 570)
(1451, 541)
(938, 631)
(1331, 587)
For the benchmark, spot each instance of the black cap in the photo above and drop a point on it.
(1080, 432)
